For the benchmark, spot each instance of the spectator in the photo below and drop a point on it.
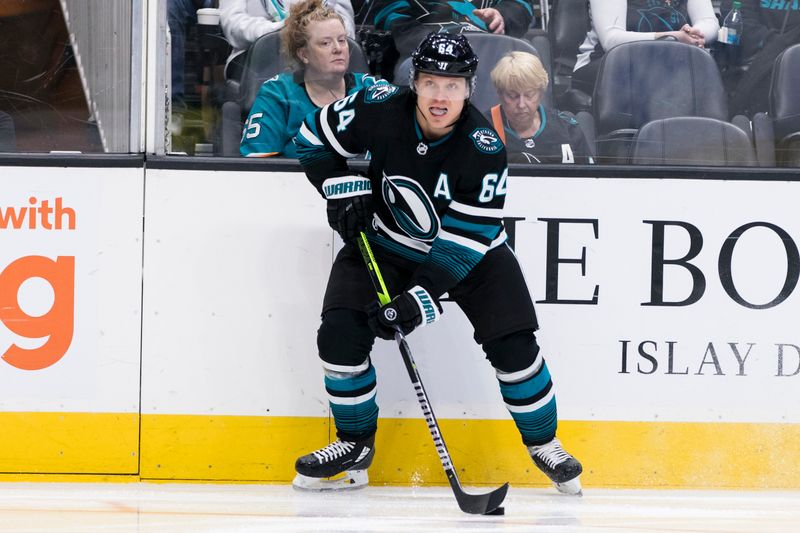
(8, 138)
(180, 14)
(411, 20)
(621, 21)
(244, 21)
(532, 132)
(315, 39)
(769, 29)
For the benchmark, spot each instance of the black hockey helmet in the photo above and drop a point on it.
(445, 54)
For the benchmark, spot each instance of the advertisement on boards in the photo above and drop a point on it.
(665, 300)
(70, 289)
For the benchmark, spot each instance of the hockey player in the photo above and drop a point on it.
(433, 200)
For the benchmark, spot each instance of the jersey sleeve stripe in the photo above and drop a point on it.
(502, 238)
(330, 136)
(463, 242)
(307, 149)
(456, 259)
(398, 249)
(472, 219)
(476, 211)
(470, 235)
(487, 231)
(309, 136)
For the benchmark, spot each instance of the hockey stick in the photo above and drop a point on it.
(488, 503)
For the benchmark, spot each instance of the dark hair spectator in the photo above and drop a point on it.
(531, 131)
(621, 21)
(314, 38)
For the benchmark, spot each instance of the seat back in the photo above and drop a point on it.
(264, 60)
(643, 81)
(489, 48)
(692, 141)
(783, 98)
(567, 28)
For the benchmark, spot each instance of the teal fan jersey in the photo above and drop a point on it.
(278, 111)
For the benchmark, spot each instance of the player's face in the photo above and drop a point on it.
(326, 52)
(440, 100)
(520, 106)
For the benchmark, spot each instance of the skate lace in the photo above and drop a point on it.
(552, 453)
(334, 450)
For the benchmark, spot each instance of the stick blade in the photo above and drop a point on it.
(481, 503)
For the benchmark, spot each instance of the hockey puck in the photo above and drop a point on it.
(498, 511)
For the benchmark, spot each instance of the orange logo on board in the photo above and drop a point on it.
(56, 325)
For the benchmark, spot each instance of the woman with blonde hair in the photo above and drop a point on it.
(314, 39)
(532, 132)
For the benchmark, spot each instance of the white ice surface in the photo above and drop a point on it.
(134, 507)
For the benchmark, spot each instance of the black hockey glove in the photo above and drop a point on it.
(349, 216)
(410, 309)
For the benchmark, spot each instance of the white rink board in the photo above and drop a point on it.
(100, 222)
(236, 264)
(583, 342)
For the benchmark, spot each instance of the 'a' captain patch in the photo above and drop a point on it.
(486, 140)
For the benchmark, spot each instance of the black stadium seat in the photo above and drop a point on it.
(692, 141)
(781, 127)
(264, 60)
(643, 81)
(568, 24)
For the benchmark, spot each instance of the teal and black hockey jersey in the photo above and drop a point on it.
(437, 202)
(278, 110)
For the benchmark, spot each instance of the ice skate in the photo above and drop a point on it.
(562, 469)
(339, 465)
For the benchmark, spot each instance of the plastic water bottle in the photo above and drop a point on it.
(731, 31)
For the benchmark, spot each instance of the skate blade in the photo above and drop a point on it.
(571, 487)
(349, 480)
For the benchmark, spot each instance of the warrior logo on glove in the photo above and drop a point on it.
(409, 310)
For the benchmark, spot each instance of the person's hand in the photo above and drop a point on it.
(350, 216)
(687, 35)
(695, 33)
(406, 311)
(493, 19)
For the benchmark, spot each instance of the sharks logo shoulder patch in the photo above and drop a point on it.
(486, 140)
(379, 92)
